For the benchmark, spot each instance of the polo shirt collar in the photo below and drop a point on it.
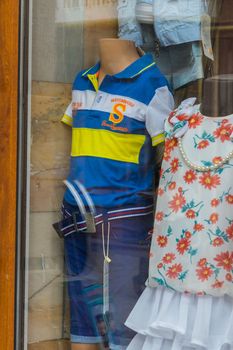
(92, 71)
(136, 68)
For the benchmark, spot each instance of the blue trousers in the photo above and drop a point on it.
(129, 244)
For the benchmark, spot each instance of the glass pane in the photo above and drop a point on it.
(130, 182)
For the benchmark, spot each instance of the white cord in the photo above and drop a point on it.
(76, 197)
(86, 196)
(106, 250)
(106, 263)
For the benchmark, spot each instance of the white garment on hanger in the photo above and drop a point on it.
(144, 13)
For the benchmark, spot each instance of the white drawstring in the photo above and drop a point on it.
(106, 250)
(106, 263)
(76, 197)
(86, 196)
(89, 217)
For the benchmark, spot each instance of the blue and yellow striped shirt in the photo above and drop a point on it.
(114, 128)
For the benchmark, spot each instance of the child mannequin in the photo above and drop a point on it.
(117, 116)
(115, 55)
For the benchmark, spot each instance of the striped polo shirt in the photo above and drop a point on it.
(114, 128)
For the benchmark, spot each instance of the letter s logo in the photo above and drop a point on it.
(117, 113)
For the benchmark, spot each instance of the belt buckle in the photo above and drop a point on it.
(90, 222)
(89, 219)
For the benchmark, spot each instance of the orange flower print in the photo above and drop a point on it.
(188, 234)
(177, 202)
(174, 165)
(190, 176)
(229, 231)
(209, 181)
(168, 258)
(217, 160)
(160, 265)
(217, 284)
(224, 132)
(174, 271)
(172, 185)
(170, 144)
(162, 241)
(190, 214)
(203, 144)
(225, 260)
(229, 277)
(160, 191)
(182, 245)
(204, 273)
(195, 120)
(166, 155)
(202, 262)
(214, 218)
(182, 117)
(229, 198)
(217, 242)
(215, 202)
(159, 216)
(198, 227)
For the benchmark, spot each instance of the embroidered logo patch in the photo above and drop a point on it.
(117, 114)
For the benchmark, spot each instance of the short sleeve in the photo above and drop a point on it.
(158, 110)
(67, 117)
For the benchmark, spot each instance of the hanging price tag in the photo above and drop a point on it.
(206, 36)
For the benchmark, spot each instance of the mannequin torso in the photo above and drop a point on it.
(115, 132)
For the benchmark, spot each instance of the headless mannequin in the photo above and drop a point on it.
(217, 96)
(115, 55)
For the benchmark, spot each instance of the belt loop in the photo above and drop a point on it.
(75, 220)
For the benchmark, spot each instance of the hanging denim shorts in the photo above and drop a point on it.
(124, 236)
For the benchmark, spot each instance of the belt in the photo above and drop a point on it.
(73, 223)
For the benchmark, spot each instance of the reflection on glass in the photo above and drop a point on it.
(83, 287)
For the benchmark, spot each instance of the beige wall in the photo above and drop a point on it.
(50, 144)
(59, 46)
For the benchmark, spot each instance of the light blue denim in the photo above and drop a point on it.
(181, 61)
(175, 21)
(181, 64)
(128, 26)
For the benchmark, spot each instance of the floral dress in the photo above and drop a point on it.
(191, 258)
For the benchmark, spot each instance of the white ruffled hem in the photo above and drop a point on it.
(169, 320)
